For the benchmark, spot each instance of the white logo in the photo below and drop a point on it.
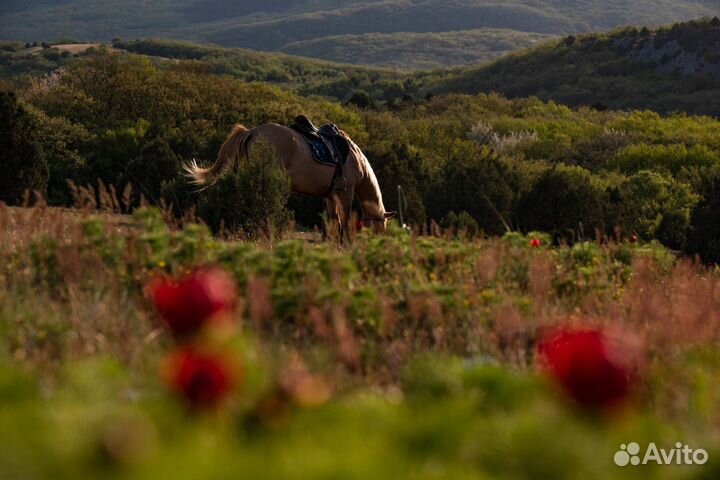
(680, 455)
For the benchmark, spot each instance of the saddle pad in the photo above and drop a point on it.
(327, 144)
(321, 153)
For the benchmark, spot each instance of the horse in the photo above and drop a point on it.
(308, 177)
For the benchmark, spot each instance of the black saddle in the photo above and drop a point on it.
(328, 145)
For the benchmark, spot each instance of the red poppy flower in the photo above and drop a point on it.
(188, 303)
(633, 239)
(589, 367)
(202, 379)
(535, 243)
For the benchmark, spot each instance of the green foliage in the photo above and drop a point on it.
(417, 51)
(669, 69)
(477, 182)
(392, 32)
(22, 160)
(671, 157)
(524, 163)
(427, 342)
(704, 236)
(251, 199)
(462, 223)
(566, 201)
(654, 205)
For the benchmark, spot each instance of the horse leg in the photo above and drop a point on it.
(339, 205)
(344, 201)
(333, 225)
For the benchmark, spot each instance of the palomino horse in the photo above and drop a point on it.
(308, 176)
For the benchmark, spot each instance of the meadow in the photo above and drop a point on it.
(548, 300)
(393, 356)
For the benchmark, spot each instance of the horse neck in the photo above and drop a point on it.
(368, 192)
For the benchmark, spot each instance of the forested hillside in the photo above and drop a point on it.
(477, 162)
(340, 30)
(668, 69)
(674, 68)
(407, 51)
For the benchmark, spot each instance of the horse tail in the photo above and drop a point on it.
(232, 151)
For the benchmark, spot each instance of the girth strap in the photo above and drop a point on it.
(336, 176)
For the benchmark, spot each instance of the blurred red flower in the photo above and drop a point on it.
(203, 379)
(595, 371)
(188, 303)
(535, 243)
(633, 239)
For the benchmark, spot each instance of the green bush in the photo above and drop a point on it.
(704, 234)
(566, 201)
(22, 161)
(671, 157)
(462, 223)
(654, 205)
(252, 199)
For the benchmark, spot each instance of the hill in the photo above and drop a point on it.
(20, 61)
(339, 30)
(412, 51)
(675, 68)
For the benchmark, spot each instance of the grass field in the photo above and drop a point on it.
(394, 356)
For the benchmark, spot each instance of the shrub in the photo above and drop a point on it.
(654, 205)
(704, 233)
(398, 167)
(251, 200)
(462, 223)
(484, 134)
(565, 201)
(476, 181)
(361, 99)
(21, 157)
(671, 157)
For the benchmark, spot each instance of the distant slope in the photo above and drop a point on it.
(668, 69)
(338, 30)
(417, 51)
(303, 75)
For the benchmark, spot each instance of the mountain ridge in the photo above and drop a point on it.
(279, 26)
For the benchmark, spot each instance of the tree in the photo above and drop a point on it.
(565, 201)
(22, 161)
(476, 181)
(361, 99)
(653, 205)
(704, 236)
(397, 166)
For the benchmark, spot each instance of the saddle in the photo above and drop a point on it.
(328, 146)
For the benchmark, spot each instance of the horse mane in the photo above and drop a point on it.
(368, 187)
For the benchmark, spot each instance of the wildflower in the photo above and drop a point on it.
(589, 367)
(204, 380)
(535, 243)
(633, 239)
(188, 303)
